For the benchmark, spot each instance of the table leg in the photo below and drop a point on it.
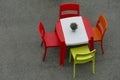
(62, 53)
(91, 42)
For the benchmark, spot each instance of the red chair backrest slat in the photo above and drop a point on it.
(69, 10)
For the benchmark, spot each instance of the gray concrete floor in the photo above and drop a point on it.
(20, 51)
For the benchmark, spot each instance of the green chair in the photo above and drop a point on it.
(82, 55)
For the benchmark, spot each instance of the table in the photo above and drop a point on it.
(83, 35)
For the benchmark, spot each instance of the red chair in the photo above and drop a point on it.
(99, 31)
(49, 39)
(69, 10)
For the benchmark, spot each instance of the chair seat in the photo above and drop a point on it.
(83, 50)
(82, 58)
(51, 40)
(97, 34)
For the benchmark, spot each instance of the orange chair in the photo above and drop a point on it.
(100, 30)
(49, 39)
(69, 10)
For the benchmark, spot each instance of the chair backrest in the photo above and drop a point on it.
(69, 10)
(85, 57)
(102, 25)
(41, 29)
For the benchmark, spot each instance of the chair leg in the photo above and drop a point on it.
(101, 43)
(74, 70)
(69, 57)
(93, 66)
(44, 54)
(41, 43)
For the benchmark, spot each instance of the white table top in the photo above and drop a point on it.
(74, 38)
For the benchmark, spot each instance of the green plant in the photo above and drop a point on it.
(73, 26)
